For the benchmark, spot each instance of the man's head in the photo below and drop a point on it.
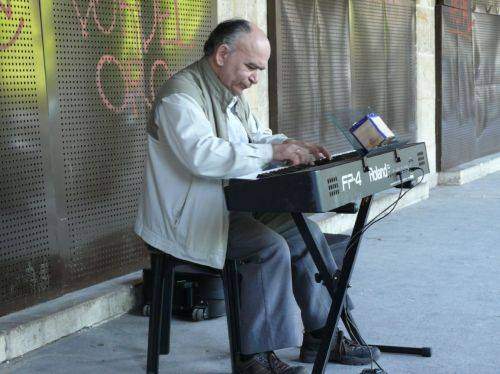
(237, 51)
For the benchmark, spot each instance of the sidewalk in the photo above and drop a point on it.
(427, 275)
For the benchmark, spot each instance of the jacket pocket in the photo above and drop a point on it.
(180, 211)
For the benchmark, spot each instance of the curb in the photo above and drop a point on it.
(34, 327)
(470, 171)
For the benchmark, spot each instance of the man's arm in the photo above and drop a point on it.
(184, 127)
(186, 130)
(263, 134)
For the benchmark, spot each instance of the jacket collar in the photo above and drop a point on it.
(223, 95)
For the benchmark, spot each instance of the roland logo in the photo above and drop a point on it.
(377, 173)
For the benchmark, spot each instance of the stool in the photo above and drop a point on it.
(162, 270)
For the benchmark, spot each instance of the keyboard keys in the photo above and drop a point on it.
(323, 161)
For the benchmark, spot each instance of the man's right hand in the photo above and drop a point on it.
(292, 153)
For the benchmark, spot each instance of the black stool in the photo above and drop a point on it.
(162, 269)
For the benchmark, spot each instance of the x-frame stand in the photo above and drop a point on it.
(337, 284)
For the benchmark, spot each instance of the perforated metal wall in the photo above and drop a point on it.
(26, 257)
(103, 62)
(110, 58)
(335, 56)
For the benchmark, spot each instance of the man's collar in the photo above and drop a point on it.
(226, 96)
(233, 103)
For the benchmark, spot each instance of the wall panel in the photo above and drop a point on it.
(468, 111)
(75, 101)
(28, 256)
(339, 57)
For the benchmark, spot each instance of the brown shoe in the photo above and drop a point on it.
(345, 351)
(267, 363)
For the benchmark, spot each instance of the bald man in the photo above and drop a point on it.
(201, 134)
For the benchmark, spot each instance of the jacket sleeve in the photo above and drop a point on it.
(185, 129)
(262, 134)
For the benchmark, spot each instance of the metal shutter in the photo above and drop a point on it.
(335, 56)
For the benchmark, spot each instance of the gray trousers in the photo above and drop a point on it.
(278, 287)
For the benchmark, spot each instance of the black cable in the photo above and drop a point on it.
(362, 342)
(374, 220)
(392, 206)
(400, 196)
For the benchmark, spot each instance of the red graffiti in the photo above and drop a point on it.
(460, 18)
(158, 17)
(92, 7)
(152, 91)
(7, 10)
(388, 2)
(107, 59)
(135, 95)
(462, 4)
(177, 40)
(132, 76)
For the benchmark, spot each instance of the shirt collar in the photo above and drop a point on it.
(232, 105)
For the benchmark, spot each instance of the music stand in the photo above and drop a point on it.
(343, 120)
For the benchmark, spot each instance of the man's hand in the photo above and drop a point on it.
(316, 150)
(292, 153)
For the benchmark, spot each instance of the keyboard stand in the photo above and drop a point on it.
(337, 284)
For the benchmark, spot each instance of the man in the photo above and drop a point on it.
(202, 133)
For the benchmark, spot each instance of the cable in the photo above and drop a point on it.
(361, 341)
(350, 324)
(392, 206)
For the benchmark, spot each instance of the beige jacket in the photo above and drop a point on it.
(182, 209)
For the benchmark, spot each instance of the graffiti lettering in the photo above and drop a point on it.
(152, 91)
(177, 40)
(158, 17)
(7, 10)
(107, 59)
(132, 77)
(92, 7)
(130, 72)
(389, 2)
(459, 17)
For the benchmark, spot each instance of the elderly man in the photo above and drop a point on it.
(202, 132)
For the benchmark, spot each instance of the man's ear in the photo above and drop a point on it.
(221, 54)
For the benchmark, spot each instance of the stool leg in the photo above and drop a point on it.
(157, 269)
(232, 300)
(168, 293)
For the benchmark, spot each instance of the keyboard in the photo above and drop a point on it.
(324, 161)
(328, 184)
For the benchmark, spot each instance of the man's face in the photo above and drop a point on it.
(242, 65)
